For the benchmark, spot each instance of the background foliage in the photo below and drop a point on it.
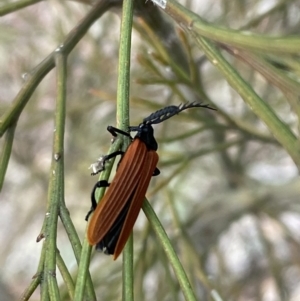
(228, 191)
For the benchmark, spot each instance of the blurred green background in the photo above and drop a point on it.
(228, 193)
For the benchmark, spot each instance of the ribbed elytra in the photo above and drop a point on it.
(115, 215)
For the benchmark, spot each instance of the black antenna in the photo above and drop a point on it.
(167, 112)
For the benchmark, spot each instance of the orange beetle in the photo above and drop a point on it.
(114, 217)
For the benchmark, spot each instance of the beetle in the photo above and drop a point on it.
(115, 215)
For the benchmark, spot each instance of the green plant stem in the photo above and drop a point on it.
(56, 185)
(170, 252)
(122, 123)
(77, 249)
(279, 129)
(123, 92)
(123, 96)
(127, 266)
(36, 279)
(269, 71)
(6, 152)
(193, 22)
(65, 274)
(83, 272)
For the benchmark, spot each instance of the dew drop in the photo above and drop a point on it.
(25, 76)
(168, 69)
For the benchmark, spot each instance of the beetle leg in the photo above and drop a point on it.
(115, 131)
(99, 184)
(100, 164)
